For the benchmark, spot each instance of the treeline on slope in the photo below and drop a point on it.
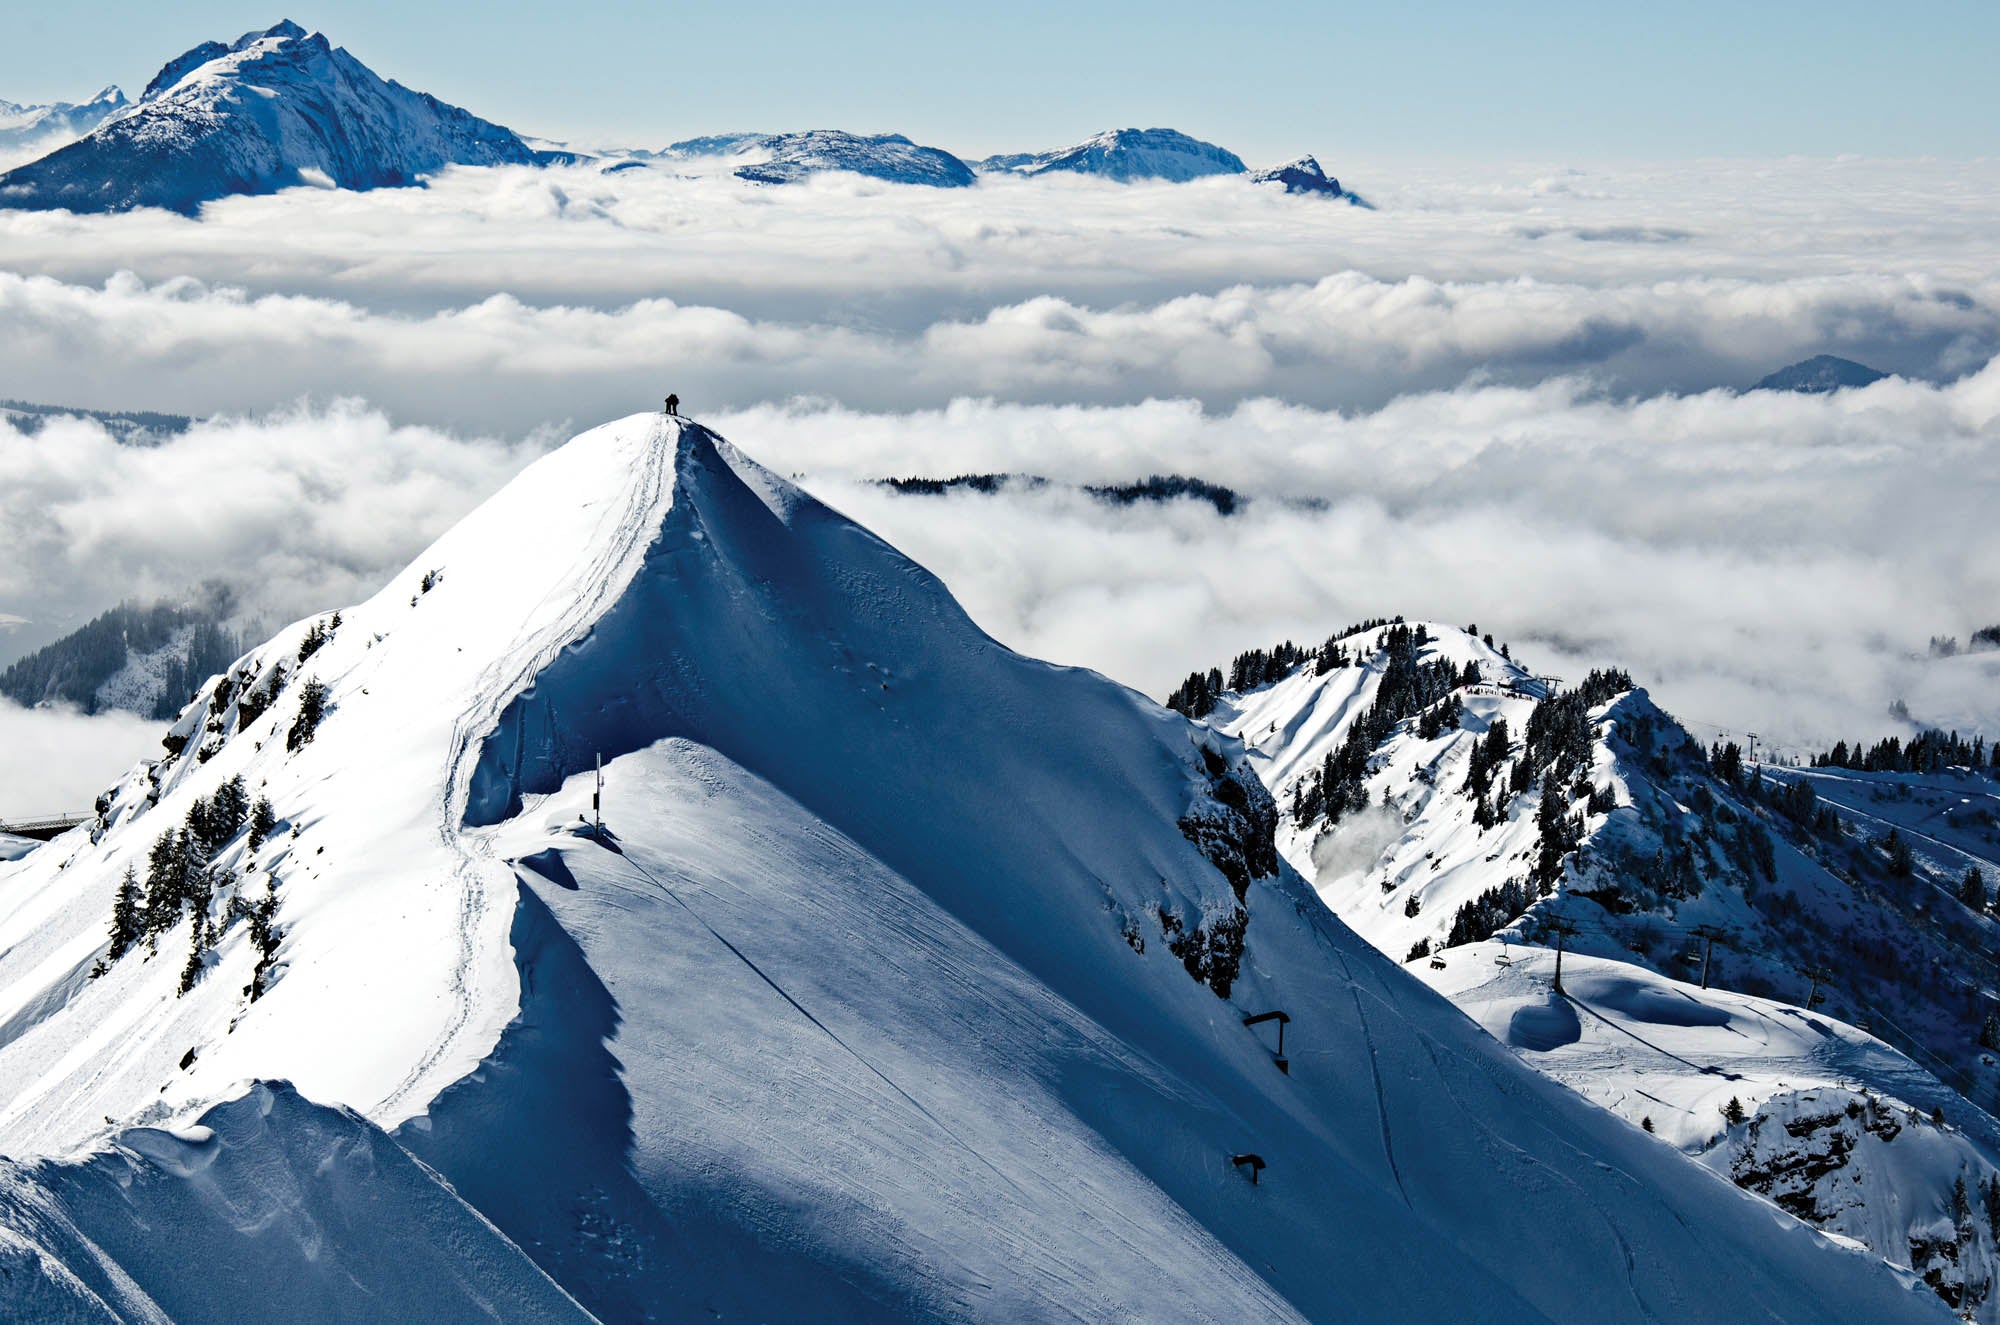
(183, 880)
(1983, 639)
(1929, 751)
(1407, 687)
(1197, 696)
(128, 425)
(1153, 488)
(75, 668)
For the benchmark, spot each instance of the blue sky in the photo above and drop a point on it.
(1441, 80)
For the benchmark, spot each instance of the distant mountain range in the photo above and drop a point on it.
(49, 127)
(284, 107)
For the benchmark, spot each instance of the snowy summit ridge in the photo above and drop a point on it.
(271, 110)
(1125, 155)
(787, 158)
(1305, 176)
(909, 979)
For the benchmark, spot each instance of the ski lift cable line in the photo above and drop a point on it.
(824, 1029)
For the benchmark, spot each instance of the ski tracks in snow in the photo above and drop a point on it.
(475, 872)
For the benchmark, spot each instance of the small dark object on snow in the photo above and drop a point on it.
(1255, 1163)
(187, 1059)
(673, 404)
(1283, 1019)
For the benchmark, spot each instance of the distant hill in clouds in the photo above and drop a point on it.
(126, 425)
(1125, 154)
(139, 658)
(1820, 374)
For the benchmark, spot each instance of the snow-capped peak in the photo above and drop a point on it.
(1126, 155)
(187, 62)
(273, 109)
(789, 157)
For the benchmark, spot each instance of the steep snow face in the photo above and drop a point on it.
(787, 158)
(13, 848)
(29, 131)
(909, 979)
(272, 110)
(1126, 155)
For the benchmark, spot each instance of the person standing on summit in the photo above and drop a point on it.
(673, 404)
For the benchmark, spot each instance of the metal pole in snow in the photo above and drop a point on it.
(1563, 929)
(597, 798)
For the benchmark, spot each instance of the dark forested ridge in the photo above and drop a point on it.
(1152, 488)
(195, 637)
(134, 425)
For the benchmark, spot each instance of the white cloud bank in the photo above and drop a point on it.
(1495, 387)
(500, 299)
(55, 761)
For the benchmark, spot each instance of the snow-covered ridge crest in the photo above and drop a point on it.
(1126, 155)
(411, 676)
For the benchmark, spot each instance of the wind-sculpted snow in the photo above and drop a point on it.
(275, 109)
(270, 1204)
(868, 1004)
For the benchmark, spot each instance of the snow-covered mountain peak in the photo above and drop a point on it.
(1303, 175)
(1126, 155)
(787, 158)
(908, 977)
(271, 110)
(199, 57)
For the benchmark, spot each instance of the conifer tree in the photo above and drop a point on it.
(127, 919)
(262, 820)
(192, 971)
(312, 707)
(1732, 1112)
(1972, 890)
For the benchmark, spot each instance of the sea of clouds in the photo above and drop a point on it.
(1505, 396)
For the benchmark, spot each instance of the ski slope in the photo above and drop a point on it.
(1838, 1126)
(866, 1006)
